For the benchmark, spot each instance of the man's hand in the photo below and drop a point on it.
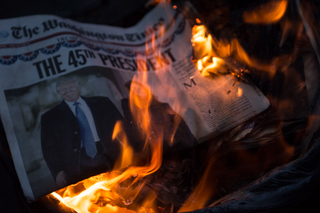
(62, 179)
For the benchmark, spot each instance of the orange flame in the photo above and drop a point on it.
(106, 186)
(212, 55)
(202, 193)
(268, 13)
(126, 157)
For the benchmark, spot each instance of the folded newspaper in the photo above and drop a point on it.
(65, 84)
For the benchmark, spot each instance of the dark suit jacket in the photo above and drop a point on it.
(61, 136)
(162, 116)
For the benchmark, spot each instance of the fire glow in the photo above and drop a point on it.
(102, 186)
(214, 56)
(267, 13)
(102, 193)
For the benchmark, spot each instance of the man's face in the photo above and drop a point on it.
(139, 90)
(69, 91)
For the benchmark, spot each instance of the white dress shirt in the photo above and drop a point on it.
(85, 108)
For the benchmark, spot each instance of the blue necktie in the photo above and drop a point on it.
(86, 134)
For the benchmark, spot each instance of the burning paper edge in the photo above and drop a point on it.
(215, 59)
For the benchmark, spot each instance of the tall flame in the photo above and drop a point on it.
(268, 13)
(105, 185)
(102, 192)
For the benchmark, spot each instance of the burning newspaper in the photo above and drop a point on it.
(65, 86)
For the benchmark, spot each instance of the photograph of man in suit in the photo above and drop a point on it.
(76, 135)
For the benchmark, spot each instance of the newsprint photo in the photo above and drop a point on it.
(64, 85)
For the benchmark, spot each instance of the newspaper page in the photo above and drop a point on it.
(65, 84)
